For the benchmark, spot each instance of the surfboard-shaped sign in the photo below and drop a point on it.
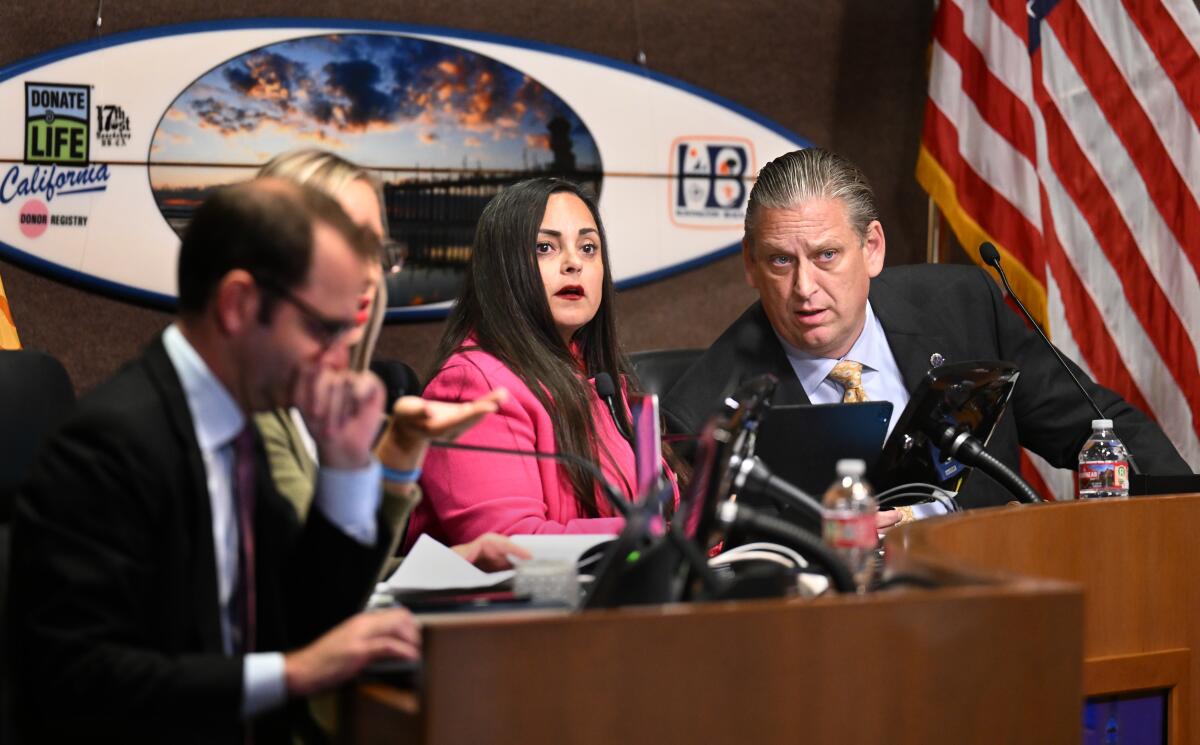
(107, 147)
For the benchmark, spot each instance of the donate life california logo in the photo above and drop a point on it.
(56, 124)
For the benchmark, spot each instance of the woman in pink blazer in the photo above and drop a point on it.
(535, 317)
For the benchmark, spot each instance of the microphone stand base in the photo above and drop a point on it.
(1142, 484)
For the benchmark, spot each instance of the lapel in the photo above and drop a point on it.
(914, 338)
(195, 507)
(789, 392)
(761, 353)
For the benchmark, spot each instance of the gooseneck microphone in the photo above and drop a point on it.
(734, 515)
(967, 449)
(607, 390)
(752, 475)
(991, 257)
(618, 500)
(752, 399)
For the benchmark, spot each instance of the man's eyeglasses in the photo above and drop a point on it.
(323, 329)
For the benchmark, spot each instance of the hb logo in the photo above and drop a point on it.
(710, 178)
(56, 123)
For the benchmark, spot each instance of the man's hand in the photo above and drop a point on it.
(885, 519)
(416, 421)
(342, 410)
(490, 552)
(350, 646)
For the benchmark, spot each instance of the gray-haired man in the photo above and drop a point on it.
(833, 325)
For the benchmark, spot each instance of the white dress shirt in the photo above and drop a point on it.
(880, 374)
(349, 499)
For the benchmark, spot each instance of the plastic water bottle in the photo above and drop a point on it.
(849, 523)
(1103, 463)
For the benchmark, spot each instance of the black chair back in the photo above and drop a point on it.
(398, 379)
(35, 396)
(658, 369)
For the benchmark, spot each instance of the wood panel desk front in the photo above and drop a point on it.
(1137, 560)
(917, 667)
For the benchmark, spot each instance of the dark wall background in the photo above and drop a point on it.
(846, 75)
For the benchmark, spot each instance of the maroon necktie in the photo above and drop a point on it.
(243, 501)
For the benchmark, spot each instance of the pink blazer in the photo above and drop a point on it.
(468, 494)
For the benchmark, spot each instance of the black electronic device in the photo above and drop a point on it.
(946, 426)
(402, 674)
(795, 454)
(802, 444)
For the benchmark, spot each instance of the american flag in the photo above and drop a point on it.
(1067, 132)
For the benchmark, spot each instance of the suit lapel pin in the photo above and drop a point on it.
(936, 359)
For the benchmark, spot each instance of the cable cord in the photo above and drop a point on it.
(910, 485)
(948, 503)
(797, 559)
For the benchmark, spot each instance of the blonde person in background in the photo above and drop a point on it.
(402, 447)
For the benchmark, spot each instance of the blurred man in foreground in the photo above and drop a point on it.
(162, 589)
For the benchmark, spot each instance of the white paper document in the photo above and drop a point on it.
(432, 566)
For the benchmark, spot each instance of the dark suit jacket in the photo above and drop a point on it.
(116, 628)
(958, 312)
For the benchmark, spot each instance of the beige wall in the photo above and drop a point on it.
(847, 75)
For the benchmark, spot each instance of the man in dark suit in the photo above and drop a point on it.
(163, 591)
(833, 325)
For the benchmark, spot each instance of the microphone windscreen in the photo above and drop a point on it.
(989, 254)
(604, 385)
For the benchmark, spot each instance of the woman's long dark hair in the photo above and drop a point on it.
(503, 307)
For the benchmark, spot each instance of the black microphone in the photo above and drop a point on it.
(618, 500)
(969, 450)
(734, 515)
(606, 390)
(752, 397)
(991, 257)
(752, 475)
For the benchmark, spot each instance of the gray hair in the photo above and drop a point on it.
(813, 173)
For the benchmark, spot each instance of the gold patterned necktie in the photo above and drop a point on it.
(848, 374)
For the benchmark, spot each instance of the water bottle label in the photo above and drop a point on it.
(850, 530)
(1103, 475)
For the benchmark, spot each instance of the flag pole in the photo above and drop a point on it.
(933, 234)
